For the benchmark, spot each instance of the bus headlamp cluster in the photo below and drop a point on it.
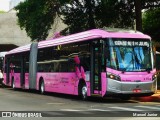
(113, 76)
(154, 77)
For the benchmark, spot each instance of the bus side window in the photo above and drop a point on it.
(39, 67)
(85, 62)
(56, 67)
(51, 67)
(71, 65)
(64, 66)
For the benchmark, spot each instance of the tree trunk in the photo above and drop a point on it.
(90, 14)
(138, 12)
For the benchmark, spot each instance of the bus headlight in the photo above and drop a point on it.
(154, 77)
(113, 76)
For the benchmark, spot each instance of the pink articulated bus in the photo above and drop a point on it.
(91, 63)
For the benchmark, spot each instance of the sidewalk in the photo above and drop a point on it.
(154, 98)
(157, 93)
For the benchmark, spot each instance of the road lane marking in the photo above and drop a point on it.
(86, 112)
(149, 107)
(98, 110)
(74, 110)
(133, 101)
(53, 113)
(55, 103)
(124, 108)
(151, 103)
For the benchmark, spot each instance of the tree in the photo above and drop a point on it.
(78, 15)
(150, 4)
(143, 4)
(82, 15)
(151, 23)
(117, 13)
(138, 8)
(109, 13)
(36, 17)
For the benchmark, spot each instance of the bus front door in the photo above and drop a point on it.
(96, 68)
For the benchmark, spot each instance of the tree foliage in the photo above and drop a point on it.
(82, 15)
(118, 14)
(37, 16)
(108, 13)
(151, 23)
(150, 4)
(78, 15)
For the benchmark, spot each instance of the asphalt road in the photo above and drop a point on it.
(18, 102)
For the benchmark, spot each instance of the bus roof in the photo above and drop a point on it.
(82, 36)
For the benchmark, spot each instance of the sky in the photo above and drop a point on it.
(4, 5)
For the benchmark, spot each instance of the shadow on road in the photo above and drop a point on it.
(148, 99)
(90, 99)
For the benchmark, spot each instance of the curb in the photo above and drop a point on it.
(157, 93)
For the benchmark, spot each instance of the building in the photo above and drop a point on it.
(11, 35)
(4, 5)
(13, 3)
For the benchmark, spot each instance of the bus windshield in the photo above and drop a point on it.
(129, 54)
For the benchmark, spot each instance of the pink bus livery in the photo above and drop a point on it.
(91, 63)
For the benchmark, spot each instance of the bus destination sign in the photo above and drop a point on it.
(131, 43)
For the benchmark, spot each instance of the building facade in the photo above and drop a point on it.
(11, 35)
(13, 3)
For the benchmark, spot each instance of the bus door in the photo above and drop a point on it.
(22, 76)
(96, 68)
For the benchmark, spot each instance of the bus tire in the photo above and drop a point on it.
(13, 84)
(42, 87)
(82, 91)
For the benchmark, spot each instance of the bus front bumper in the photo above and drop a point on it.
(131, 88)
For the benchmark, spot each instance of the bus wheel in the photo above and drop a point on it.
(13, 84)
(83, 92)
(42, 87)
